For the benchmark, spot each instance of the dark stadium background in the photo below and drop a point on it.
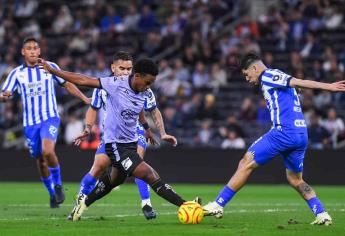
(205, 102)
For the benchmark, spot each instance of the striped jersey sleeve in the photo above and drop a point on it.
(275, 78)
(11, 82)
(96, 101)
(150, 101)
(59, 80)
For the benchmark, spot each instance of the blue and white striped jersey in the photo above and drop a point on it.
(36, 87)
(282, 101)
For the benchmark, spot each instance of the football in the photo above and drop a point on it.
(190, 213)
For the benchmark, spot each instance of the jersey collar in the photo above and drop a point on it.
(260, 76)
(130, 84)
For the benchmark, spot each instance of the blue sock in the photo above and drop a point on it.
(143, 188)
(225, 196)
(48, 182)
(87, 184)
(55, 173)
(315, 205)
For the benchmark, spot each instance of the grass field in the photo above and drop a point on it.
(256, 210)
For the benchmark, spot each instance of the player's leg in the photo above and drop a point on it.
(48, 134)
(259, 153)
(126, 156)
(143, 187)
(32, 135)
(104, 186)
(294, 173)
(100, 164)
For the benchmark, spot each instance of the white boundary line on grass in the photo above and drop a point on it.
(269, 210)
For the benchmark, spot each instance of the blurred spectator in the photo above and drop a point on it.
(333, 17)
(205, 133)
(112, 20)
(208, 110)
(74, 127)
(181, 72)
(200, 77)
(147, 19)
(248, 111)
(334, 125)
(218, 76)
(247, 28)
(319, 137)
(233, 141)
(64, 20)
(25, 8)
(131, 18)
(232, 124)
(311, 48)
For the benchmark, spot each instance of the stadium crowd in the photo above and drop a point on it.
(203, 98)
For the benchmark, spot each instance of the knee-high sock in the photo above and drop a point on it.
(144, 189)
(48, 183)
(165, 191)
(87, 184)
(55, 173)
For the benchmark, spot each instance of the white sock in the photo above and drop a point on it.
(146, 202)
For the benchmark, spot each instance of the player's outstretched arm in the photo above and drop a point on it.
(75, 78)
(334, 87)
(72, 89)
(90, 118)
(158, 119)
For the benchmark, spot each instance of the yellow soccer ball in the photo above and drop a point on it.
(190, 213)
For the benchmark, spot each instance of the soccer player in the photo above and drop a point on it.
(126, 98)
(287, 138)
(121, 66)
(40, 114)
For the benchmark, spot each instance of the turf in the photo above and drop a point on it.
(256, 210)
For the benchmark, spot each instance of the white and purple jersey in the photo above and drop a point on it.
(36, 87)
(282, 101)
(123, 106)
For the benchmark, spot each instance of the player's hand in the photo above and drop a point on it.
(169, 138)
(149, 137)
(338, 86)
(81, 137)
(42, 64)
(5, 96)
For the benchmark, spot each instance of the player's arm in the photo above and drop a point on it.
(72, 89)
(334, 87)
(90, 118)
(158, 119)
(75, 78)
(148, 132)
(9, 86)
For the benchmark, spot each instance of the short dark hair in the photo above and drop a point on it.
(146, 66)
(29, 39)
(248, 59)
(122, 55)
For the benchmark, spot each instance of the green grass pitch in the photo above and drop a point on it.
(256, 210)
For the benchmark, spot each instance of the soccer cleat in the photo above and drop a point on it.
(322, 219)
(53, 202)
(79, 208)
(213, 209)
(149, 213)
(198, 200)
(60, 193)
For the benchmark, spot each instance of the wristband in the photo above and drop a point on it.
(145, 125)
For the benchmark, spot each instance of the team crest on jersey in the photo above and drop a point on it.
(126, 163)
(52, 130)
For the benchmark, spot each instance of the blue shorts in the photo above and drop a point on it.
(101, 148)
(34, 134)
(291, 146)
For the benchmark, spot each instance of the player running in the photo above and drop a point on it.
(40, 114)
(126, 98)
(288, 136)
(121, 66)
